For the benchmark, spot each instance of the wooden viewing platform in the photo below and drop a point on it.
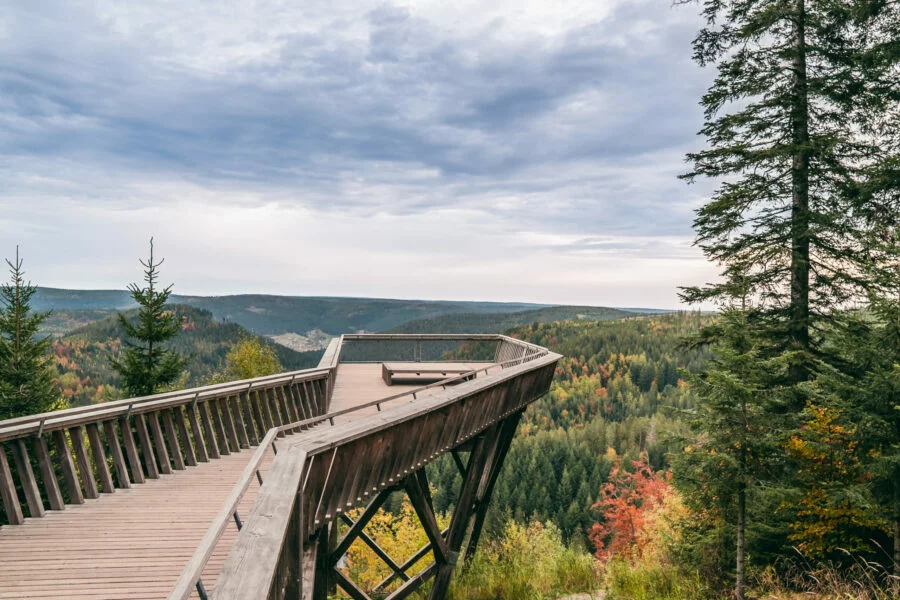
(240, 490)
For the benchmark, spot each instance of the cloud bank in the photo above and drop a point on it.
(503, 150)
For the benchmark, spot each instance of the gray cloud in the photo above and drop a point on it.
(546, 124)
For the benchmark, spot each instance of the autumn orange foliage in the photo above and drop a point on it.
(628, 500)
(830, 459)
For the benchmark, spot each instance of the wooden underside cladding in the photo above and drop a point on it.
(131, 544)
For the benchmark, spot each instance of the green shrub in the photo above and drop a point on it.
(529, 563)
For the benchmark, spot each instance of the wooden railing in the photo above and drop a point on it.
(191, 576)
(87, 451)
(63, 457)
(329, 470)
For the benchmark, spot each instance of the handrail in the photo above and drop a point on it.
(450, 337)
(62, 419)
(193, 570)
(267, 551)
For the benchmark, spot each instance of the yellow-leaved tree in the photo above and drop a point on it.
(397, 533)
(251, 357)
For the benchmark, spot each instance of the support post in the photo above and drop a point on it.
(459, 524)
(486, 490)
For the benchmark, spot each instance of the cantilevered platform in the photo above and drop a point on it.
(361, 383)
(146, 497)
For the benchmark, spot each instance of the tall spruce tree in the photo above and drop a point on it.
(800, 119)
(26, 372)
(736, 448)
(866, 389)
(147, 365)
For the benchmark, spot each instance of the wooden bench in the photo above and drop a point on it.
(423, 371)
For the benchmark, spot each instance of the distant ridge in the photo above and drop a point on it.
(272, 315)
(496, 323)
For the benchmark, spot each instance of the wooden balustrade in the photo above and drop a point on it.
(51, 460)
(71, 455)
(332, 469)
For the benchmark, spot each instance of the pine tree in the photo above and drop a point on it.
(737, 447)
(147, 365)
(866, 388)
(801, 124)
(26, 373)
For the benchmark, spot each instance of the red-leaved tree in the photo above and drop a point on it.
(627, 500)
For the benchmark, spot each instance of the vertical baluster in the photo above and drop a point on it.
(311, 398)
(258, 414)
(140, 423)
(165, 466)
(272, 402)
(208, 430)
(290, 415)
(106, 482)
(8, 492)
(190, 458)
(296, 411)
(172, 439)
(298, 402)
(137, 473)
(245, 401)
(26, 477)
(213, 407)
(228, 422)
(193, 413)
(48, 474)
(323, 392)
(76, 435)
(239, 421)
(68, 467)
(308, 399)
(115, 448)
(263, 400)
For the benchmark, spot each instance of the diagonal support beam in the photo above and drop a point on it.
(491, 474)
(422, 505)
(459, 463)
(459, 524)
(413, 584)
(384, 556)
(360, 524)
(480, 474)
(348, 586)
(406, 566)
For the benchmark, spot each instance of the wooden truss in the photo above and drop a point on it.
(322, 552)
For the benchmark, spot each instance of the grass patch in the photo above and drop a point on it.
(529, 563)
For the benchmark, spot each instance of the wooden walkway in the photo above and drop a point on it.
(129, 544)
(136, 538)
(135, 542)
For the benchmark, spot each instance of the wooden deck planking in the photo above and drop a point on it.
(135, 542)
(359, 383)
(130, 544)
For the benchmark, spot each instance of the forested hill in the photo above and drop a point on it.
(496, 323)
(273, 315)
(616, 396)
(82, 356)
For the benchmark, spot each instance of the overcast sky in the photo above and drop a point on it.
(489, 150)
